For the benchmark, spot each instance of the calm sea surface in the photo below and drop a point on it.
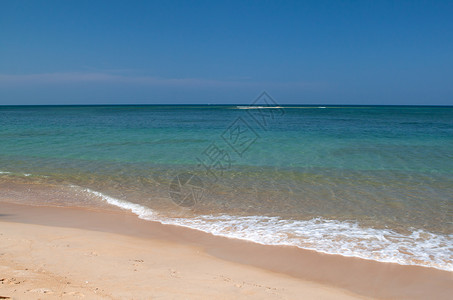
(374, 182)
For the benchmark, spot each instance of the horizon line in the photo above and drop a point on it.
(226, 104)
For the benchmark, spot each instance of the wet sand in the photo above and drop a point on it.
(51, 252)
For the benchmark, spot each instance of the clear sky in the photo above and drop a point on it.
(300, 52)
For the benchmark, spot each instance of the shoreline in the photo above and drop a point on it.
(346, 275)
(345, 236)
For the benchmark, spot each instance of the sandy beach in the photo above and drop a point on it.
(53, 262)
(69, 253)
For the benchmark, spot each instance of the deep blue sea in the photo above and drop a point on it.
(374, 182)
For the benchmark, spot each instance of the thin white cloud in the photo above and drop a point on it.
(44, 78)
(100, 77)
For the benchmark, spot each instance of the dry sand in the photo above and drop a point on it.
(64, 253)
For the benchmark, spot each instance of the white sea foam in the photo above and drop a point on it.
(141, 211)
(257, 107)
(327, 236)
(23, 174)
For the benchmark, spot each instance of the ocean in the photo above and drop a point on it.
(374, 182)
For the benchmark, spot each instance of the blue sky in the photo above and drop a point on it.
(300, 52)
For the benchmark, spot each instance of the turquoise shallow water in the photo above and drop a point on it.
(373, 181)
